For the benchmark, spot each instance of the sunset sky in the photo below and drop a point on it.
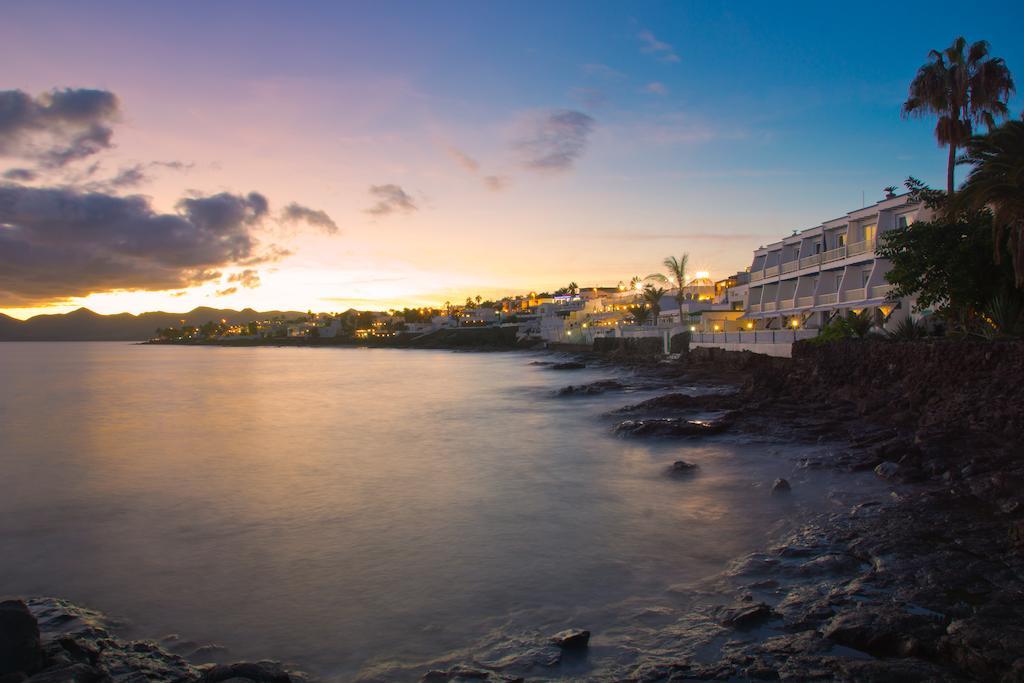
(373, 155)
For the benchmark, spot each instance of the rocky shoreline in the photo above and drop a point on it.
(926, 583)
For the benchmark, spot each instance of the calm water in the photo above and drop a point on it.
(340, 508)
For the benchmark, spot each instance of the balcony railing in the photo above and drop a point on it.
(809, 261)
(756, 275)
(853, 294)
(790, 266)
(785, 303)
(755, 308)
(769, 306)
(771, 272)
(829, 298)
(804, 301)
(834, 254)
(878, 291)
(859, 248)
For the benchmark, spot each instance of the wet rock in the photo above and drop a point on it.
(670, 427)
(888, 470)
(567, 365)
(681, 467)
(882, 631)
(74, 673)
(780, 486)
(257, 672)
(20, 646)
(598, 387)
(571, 639)
(744, 617)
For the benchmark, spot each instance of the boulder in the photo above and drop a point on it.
(747, 616)
(681, 467)
(257, 672)
(20, 647)
(780, 486)
(571, 639)
(567, 365)
(888, 470)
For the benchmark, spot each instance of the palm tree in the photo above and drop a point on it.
(640, 314)
(963, 90)
(652, 297)
(573, 288)
(997, 181)
(676, 268)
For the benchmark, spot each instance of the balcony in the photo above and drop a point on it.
(785, 303)
(859, 248)
(854, 294)
(810, 261)
(771, 272)
(880, 291)
(834, 254)
(790, 266)
(804, 301)
(770, 306)
(756, 275)
(755, 308)
(829, 298)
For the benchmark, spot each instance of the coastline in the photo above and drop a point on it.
(922, 585)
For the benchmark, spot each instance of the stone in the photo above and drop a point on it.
(75, 673)
(258, 672)
(568, 365)
(571, 639)
(744, 617)
(780, 486)
(681, 467)
(887, 470)
(20, 647)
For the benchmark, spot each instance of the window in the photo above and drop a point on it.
(870, 231)
(902, 221)
(841, 240)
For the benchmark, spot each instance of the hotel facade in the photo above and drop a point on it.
(804, 280)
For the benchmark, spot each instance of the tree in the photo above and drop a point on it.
(946, 262)
(676, 268)
(640, 314)
(964, 90)
(652, 299)
(997, 181)
(573, 288)
(479, 299)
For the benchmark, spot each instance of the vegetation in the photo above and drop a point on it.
(652, 299)
(965, 88)
(676, 268)
(996, 181)
(640, 314)
(851, 326)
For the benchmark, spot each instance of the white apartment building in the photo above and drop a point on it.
(803, 280)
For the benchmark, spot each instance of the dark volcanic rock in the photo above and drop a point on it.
(680, 467)
(598, 387)
(568, 365)
(882, 631)
(669, 426)
(747, 616)
(73, 673)
(780, 486)
(258, 672)
(571, 639)
(20, 647)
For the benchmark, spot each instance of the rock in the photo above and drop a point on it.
(598, 387)
(746, 616)
(257, 672)
(20, 647)
(75, 673)
(571, 639)
(780, 486)
(681, 467)
(888, 470)
(568, 365)
(667, 426)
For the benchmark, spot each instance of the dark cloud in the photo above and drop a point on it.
(495, 183)
(57, 242)
(20, 174)
(296, 213)
(57, 127)
(390, 199)
(660, 50)
(554, 140)
(248, 278)
(133, 176)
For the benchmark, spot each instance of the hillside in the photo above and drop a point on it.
(85, 325)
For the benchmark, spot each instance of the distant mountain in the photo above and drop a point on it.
(85, 325)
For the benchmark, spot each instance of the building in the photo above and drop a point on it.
(804, 280)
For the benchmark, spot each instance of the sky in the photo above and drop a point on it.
(326, 155)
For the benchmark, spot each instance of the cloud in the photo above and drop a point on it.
(602, 71)
(296, 213)
(390, 199)
(464, 160)
(248, 278)
(227, 292)
(20, 174)
(652, 46)
(554, 140)
(57, 243)
(703, 236)
(655, 88)
(589, 98)
(496, 183)
(57, 127)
